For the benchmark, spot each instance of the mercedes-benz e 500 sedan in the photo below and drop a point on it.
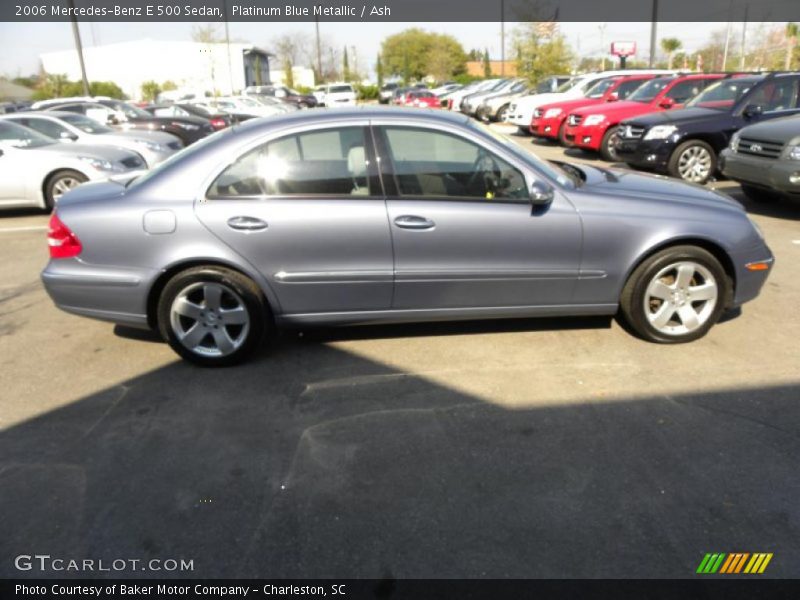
(372, 215)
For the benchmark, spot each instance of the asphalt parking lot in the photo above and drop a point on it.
(534, 448)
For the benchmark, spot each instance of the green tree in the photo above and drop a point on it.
(150, 90)
(416, 53)
(345, 66)
(670, 46)
(792, 35)
(487, 65)
(379, 71)
(541, 56)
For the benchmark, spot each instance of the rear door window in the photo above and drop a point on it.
(332, 162)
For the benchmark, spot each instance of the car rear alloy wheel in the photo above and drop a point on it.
(212, 316)
(693, 161)
(675, 295)
(59, 184)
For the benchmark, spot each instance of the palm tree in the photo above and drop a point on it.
(670, 46)
(792, 33)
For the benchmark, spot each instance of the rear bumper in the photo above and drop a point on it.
(768, 173)
(106, 293)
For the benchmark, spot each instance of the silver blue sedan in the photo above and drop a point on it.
(372, 215)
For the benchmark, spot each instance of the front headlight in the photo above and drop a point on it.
(735, 142)
(793, 153)
(99, 163)
(552, 112)
(594, 120)
(660, 132)
(153, 146)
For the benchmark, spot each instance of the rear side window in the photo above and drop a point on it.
(776, 94)
(329, 162)
(626, 88)
(48, 128)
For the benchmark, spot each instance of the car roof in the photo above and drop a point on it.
(363, 112)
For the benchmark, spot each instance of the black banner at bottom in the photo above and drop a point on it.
(702, 588)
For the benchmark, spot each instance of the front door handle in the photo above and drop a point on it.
(243, 223)
(414, 222)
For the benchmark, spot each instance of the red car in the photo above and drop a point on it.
(596, 127)
(548, 120)
(422, 98)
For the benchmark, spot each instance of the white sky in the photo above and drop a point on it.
(25, 41)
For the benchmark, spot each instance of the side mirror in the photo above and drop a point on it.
(68, 137)
(666, 103)
(613, 97)
(752, 111)
(541, 194)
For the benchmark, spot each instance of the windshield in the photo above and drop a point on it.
(22, 137)
(555, 172)
(722, 94)
(569, 84)
(335, 89)
(650, 90)
(85, 124)
(599, 88)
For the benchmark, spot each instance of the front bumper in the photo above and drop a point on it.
(646, 154)
(749, 283)
(588, 138)
(520, 117)
(769, 173)
(547, 128)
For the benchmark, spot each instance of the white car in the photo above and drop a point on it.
(153, 146)
(35, 170)
(454, 99)
(340, 94)
(520, 112)
(249, 107)
(43, 104)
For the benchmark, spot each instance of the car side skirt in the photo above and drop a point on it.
(450, 314)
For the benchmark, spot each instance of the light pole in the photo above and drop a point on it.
(653, 28)
(76, 34)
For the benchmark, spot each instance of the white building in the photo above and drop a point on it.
(190, 65)
(303, 76)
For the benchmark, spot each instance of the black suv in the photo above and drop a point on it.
(686, 143)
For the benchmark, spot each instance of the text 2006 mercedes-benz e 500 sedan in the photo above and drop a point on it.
(368, 216)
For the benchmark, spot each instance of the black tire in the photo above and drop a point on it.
(633, 294)
(501, 113)
(673, 167)
(757, 194)
(526, 131)
(50, 186)
(562, 135)
(254, 303)
(607, 150)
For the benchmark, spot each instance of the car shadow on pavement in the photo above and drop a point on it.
(316, 462)
(780, 208)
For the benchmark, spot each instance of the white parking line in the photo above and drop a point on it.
(28, 228)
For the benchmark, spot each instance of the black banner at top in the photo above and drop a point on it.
(400, 10)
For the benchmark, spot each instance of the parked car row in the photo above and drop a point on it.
(677, 124)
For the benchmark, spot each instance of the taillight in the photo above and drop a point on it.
(61, 241)
(218, 123)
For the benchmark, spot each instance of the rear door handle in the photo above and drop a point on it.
(414, 222)
(243, 223)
